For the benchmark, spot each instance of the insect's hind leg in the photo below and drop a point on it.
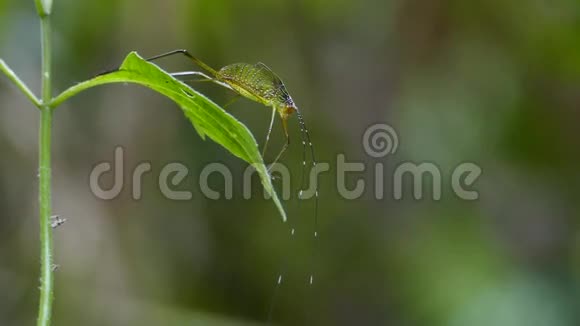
(188, 55)
(205, 77)
(168, 54)
(183, 76)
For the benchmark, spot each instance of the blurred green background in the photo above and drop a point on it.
(492, 82)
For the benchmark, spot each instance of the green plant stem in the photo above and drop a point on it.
(43, 7)
(46, 243)
(19, 83)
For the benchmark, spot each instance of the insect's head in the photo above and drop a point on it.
(287, 111)
(287, 108)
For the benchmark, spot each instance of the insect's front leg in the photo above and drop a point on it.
(286, 144)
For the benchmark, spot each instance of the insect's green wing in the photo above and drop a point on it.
(280, 92)
(258, 81)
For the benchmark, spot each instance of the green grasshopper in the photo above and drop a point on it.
(259, 83)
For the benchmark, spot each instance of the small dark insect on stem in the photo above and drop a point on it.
(56, 221)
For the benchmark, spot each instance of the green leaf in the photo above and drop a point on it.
(207, 117)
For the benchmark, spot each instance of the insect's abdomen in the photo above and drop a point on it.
(253, 82)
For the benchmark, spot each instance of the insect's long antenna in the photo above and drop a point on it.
(304, 140)
(285, 264)
(305, 136)
(314, 162)
(304, 131)
(278, 284)
(187, 54)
